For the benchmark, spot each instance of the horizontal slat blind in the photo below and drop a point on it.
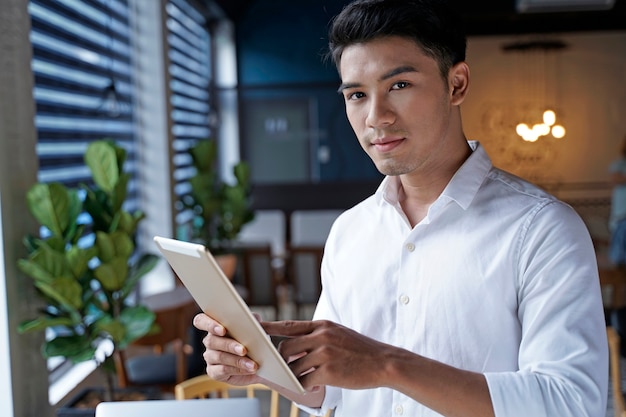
(189, 55)
(79, 47)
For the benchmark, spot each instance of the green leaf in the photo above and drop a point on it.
(101, 158)
(112, 274)
(98, 205)
(242, 173)
(138, 321)
(78, 259)
(56, 243)
(45, 264)
(73, 230)
(114, 329)
(77, 348)
(128, 222)
(118, 194)
(106, 246)
(204, 155)
(34, 270)
(50, 205)
(64, 290)
(123, 244)
(144, 264)
(42, 323)
(120, 154)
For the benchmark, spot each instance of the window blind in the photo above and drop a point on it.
(190, 71)
(81, 47)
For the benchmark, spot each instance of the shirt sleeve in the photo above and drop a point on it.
(563, 356)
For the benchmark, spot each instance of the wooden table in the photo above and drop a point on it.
(174, 311)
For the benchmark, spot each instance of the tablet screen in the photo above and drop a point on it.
(197, 269)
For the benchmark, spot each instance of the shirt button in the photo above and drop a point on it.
(404, 299)
(399, 410)
(410, 247)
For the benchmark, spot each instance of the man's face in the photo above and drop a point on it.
(398, 105)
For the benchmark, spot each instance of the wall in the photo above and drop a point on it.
(591, 97)
(284, 81)
(26, 395)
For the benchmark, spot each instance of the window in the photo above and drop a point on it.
(81, 52)
(193, 116)
(81, 55)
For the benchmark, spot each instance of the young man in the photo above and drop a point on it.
(456, 289)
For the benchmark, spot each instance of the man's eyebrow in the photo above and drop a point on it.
(392, 73)
(399, 70)
(344, 86)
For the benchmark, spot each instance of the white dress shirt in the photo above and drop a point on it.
(498, 278)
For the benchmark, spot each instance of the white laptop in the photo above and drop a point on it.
(213, 407)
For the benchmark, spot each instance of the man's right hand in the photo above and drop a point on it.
(226, 358)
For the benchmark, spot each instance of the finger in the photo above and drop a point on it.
(305, 365)
(203, 322)
(225, 373)
(289, 328)
(312, 381)
(224, 363)
(224, 344)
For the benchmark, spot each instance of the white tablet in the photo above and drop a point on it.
(216, 296)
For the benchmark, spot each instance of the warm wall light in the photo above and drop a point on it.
(549, 117)
(558, 131)
(539, 82)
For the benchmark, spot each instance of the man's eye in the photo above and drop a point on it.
(400, 85)
(355, 96)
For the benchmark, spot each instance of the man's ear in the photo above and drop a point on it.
(458, 80)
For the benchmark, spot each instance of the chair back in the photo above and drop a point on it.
(613, 286)
(304, 274)
(619, 407)
(258, 276)
(162, 359)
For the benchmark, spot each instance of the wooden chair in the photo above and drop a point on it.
(170, 356)
(613, 287)
(619, 407)
(304, 275)
(258, 276)
(204, 387)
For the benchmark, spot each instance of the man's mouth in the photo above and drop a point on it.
(387, 144)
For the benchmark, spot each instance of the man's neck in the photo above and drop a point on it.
(418, 191)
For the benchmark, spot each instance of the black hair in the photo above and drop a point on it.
(432, 24)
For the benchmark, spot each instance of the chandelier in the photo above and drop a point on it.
(537, 63)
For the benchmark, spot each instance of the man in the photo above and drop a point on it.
(456, 289)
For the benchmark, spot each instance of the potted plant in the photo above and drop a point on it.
(86, 285)
(220, 209)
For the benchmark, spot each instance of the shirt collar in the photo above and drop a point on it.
(462, 188)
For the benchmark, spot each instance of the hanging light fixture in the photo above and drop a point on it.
(110, 100)
(111, 104)
(540, 67)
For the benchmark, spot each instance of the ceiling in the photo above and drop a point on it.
(499, 17)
